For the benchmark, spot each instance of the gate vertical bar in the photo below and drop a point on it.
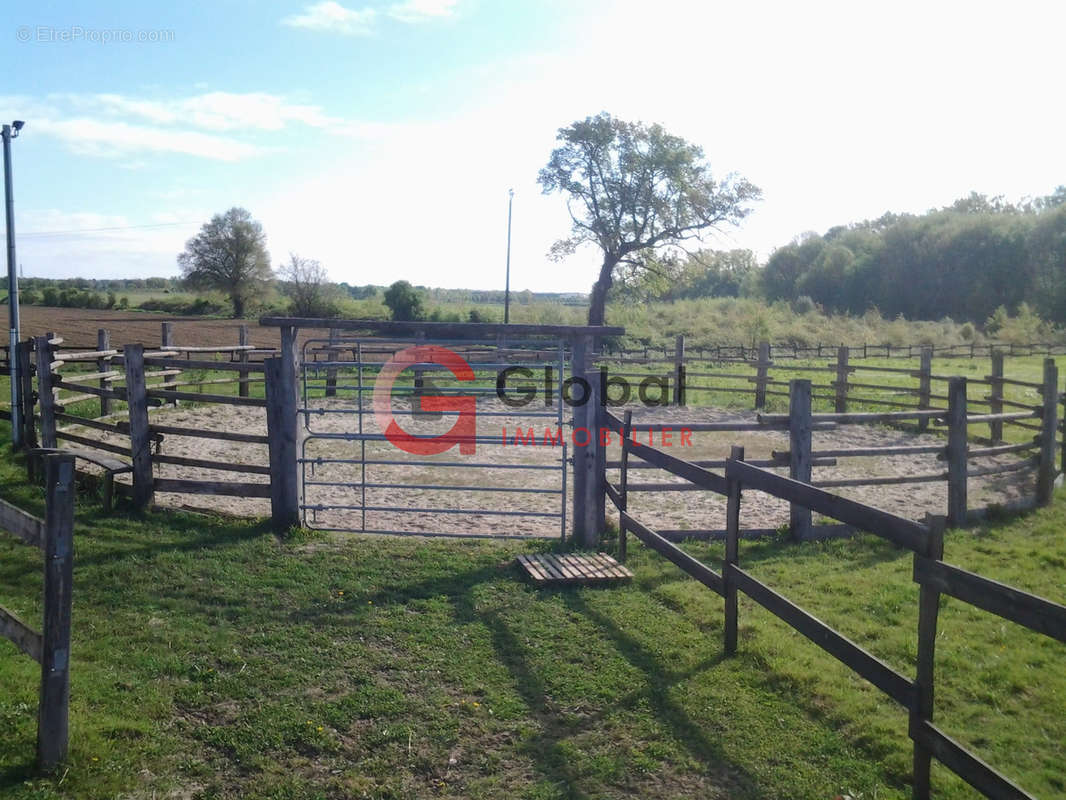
(362, 441)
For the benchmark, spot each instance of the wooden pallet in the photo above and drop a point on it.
(561, 569)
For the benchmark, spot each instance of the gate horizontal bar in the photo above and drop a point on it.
(402, 413)
(356, 485)
(383, 462)
(416, 509)
(533, 537)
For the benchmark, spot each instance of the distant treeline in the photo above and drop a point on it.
(473, 296)
(963, 262)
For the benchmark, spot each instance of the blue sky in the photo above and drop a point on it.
(382, 137)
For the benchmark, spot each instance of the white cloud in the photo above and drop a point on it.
(112, 125)
(334, 18)
(114, 139)
(415, 11)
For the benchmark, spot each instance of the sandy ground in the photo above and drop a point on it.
(502, 474)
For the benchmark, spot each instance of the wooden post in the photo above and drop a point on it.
(45, 393)
(623, 485)
(242, 357)
(925, 383)
(957, 451)
(103, 364)
(679, 370)
(799, 455)
(586, 422)
(331, 372)
(52, 717)
(928, 607)
(995, 399)
(166, 341)
(597, 485)
(140, 441)
(841, 405)
(732, 556)
(762, 367)
(1049, 433)
(29, 404)
(283, 430)
(1062, 460)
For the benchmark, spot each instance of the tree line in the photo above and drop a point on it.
(963, 261)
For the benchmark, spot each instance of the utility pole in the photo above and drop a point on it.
(10, 132)
(507, 285)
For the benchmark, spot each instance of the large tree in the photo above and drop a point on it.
(633, 188)
(228, 255)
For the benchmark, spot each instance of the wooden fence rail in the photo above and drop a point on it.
(933, 575)
(51, 647)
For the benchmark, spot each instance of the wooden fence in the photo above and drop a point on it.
(51, 647)
(143, 380)
(934, 576)
(866, 350)
(1042, 453)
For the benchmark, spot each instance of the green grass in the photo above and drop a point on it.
(213, 660)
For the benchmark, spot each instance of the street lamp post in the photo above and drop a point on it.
(507, 284)
(10, 132)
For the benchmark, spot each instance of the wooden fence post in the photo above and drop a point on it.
(103, 364)
(957, 451)
(283, 427)
(29, 404)
(799, 455)
(623, 484)
(679, 370)
(925, 385)
(586, 423)
(1049, 433)
(928, 607)
(841, 405)
(242, 357)
(166, 341)
(140, 441)
(1062, 459)
(331, 372)
(52, 717)
(45, 394)
(762, 367)
(732, 555)
(995, 398)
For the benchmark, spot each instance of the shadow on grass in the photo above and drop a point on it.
(15, 775)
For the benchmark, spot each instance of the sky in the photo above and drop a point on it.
(381, 137)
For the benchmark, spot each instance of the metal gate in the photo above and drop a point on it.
(504, 475)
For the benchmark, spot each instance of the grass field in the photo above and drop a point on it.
(212, 660)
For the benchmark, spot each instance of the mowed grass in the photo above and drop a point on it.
(211, 659)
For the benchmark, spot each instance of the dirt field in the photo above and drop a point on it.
(512, 467)
(78, 327)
